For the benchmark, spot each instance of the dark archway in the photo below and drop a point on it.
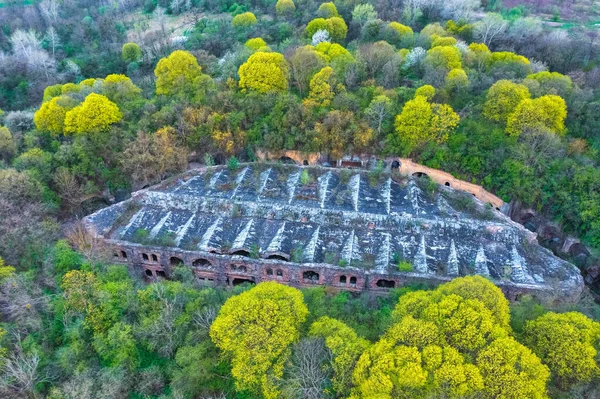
(279, 274)
(310, 277)
(148, 272)
(123, 254)
(287, 160)
(343, 280)
(175, 261)
(270, 272)
(201, 263)
(386, 283)
(420, 174)
(161, 273)
(240, 281)
(305, 162)
(145, 257)
(154, 258)
(447, 184)
(277, 257)
(395, 165)
(353, 281)
(242, 252)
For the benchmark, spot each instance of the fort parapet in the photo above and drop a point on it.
(308, 226)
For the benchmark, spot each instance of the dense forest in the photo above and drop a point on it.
(102, 98)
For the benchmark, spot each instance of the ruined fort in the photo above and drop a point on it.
(351, 229)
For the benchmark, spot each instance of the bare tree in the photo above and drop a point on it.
(308, 373)
(49, 10)
(489, 27)
(19, 373)
(53, 39)
(205, 317)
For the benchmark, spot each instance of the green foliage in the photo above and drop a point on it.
(131, 52)
(327, 10)
(65, 258)
(233, 163)
(285, 7)
(502, 99)
(405, 266)
(96, 114)
(546, 113)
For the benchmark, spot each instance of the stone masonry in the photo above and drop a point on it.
(309, 226)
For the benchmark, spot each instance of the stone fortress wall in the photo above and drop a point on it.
(405, 165)
(153, 262)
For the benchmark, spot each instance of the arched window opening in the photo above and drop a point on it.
(395, 165)
(123, 254)
(305, 162)
(420, 174)
(161, 273)
(353, 281)
(310, 277)
(239, 281)
(343, 280)
(241, 252)
(115, 255)
(175, 261)
(277, 257)
(148, 272)
(269, 272)
(201, 263)
(447, 184)
(386, 283)
(154, 258)
(279, 274)
(145, 257)
(242, 269)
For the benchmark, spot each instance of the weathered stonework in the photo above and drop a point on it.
(307, 226)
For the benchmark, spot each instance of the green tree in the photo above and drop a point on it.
(457, 79)
(336, 26)
(5, 272)
(131, 52)
(255, 330)
(502, 99)
(546, 82)
(96, 114)
(180, 75)
(566, 343)
(264, 72)
(363, 13)
(447, 57)
(401, 34)
(244, 20)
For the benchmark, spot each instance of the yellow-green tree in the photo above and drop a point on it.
(456, 79)
(285, 7)
(345, 346)
(120, 88)
(244, 20)
(546, 82)
(255, 330)
(544, 113)
(401, 34)
(512, 371)
(51, 115)
(412, 361)
(320, 94)
(131, 52)
(447, 57)
(478, 57)
(256, 44)
(180, 75)
(566, 344)
(96, 114)
(8, 148)
(442, 41)
(483, 290)
(427, 91)
(421, 121)
(52, 91)
(5, 271)
(264, 72)
(327, 10)
(502, 99)
(336, 26)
